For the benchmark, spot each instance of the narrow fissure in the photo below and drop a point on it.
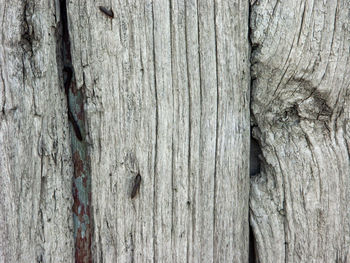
(76, 118)
(255, 150)
(254, 170)
(215, 249)
(155, 254)
(252, 246)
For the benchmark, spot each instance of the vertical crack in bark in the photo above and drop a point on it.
(173, 224)
(75, 113)
(132, 247)
(255, 150)
(254, 164)
(198, 186)
(156, 142)
(252, 246)
(216, 132)
(189, 197)
(3, 92)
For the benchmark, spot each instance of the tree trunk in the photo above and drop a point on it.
(300, 104)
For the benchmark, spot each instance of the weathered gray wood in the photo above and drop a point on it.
(167, 87)
(300, 102)
(35, 158)
(167, 96)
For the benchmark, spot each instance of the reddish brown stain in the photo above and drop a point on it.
(85, 179)
(78, 165)
(83, 247)
(74, 88)
(76, 203)
(82, 213)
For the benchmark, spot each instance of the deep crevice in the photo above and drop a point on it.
(81, 191)
(252, 246)
(255, 149)
(255, 163)
(154, 244)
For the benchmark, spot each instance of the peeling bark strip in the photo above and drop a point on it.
(82, 179)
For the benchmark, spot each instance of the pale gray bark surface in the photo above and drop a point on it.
(167, 87)
(35, 158)
(300, 102)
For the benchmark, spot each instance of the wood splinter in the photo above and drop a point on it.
(136, 187)
(107, 12)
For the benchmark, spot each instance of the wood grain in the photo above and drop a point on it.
(300, 102)
(35, 157)
(167, 87)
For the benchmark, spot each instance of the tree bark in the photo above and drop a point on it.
(35, 157)
(300, 103)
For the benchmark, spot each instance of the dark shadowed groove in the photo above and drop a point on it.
(216, 132)
(197, 202)
(252, 246)
(254, 162)
(81, 178)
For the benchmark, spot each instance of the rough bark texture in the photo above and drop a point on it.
(300, 102)
(35, 158)
(165, 89)
(167, 96)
